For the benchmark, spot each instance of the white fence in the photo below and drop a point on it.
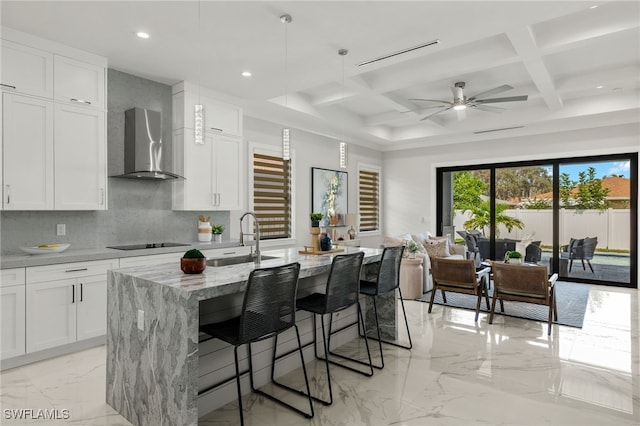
(612, 226)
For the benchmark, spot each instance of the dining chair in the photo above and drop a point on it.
(524, 283)
(268, 310)
(459, 276)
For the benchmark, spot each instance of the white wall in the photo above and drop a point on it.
(409, 202)
(308, 150)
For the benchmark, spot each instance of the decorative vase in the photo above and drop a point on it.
(412, 255)
(217, 238)
(315, 241)
(515, 260)
(325, 243)
(204, 231)
(193, 265)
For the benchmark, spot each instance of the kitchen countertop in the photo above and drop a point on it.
(83, 255)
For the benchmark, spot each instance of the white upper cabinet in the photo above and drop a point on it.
(54, 101)
(27, 153)
(79, 82)
(219, 117)
(27, 70)
(80, 158)
(212, 172)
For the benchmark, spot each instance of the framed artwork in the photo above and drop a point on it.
(329, 195)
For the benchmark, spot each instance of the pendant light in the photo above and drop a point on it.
(286, 153)
(343, 144)
(198, 111)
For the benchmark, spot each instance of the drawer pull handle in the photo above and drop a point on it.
(229, 252)
(81, 292)
(8, 86)
(76, 270)
(80, 101)
(73, 293)
(8, 194)
(216, 129)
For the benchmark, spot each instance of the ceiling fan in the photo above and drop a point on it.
(478, 101)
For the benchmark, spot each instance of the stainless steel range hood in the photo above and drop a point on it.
(143, 146)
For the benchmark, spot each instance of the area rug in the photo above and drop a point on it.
(571, 299)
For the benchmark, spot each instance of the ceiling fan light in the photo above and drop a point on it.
(459, 107)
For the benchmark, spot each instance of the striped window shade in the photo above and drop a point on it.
(369, 198)
(272, 195)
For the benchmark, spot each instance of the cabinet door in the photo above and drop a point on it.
(219, 117)
(51, 314)
(27, 153)
(27, 70)
(80, 158)
(12, 314)
(194, 162)
(91, 309)
(79, 82)
(228, 172)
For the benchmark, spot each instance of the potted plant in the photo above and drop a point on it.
(412, 247)
(315, 219)
(193, 262)
(216, 230)
(513, 257)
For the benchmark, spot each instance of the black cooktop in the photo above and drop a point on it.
(147, 246)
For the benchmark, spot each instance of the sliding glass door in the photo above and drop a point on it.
(578, 218)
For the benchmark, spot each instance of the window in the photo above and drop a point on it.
(369, 198)
(272, 195)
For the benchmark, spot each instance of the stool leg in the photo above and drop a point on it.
(235, 355)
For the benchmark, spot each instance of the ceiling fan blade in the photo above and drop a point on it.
(430, 100)
(496, 100)
(422, 109)
(488, 108)
(434, 113)
(493, 91)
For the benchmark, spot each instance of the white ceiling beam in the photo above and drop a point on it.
(525, 45)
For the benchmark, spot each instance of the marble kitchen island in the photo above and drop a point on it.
(156, 365)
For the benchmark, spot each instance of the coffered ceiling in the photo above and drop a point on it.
(578, 61)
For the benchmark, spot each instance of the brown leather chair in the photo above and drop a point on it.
(459, 276)
(524, 283)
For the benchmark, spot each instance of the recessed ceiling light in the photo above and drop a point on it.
(142, 34)
(246, 73)
(599, 87)
(593, 7)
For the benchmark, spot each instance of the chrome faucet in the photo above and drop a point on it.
(256, 235)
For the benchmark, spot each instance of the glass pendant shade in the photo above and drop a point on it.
(286, 154)
(199, 125)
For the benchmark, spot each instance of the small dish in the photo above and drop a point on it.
(51, 248)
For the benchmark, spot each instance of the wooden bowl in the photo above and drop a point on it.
(193, 266)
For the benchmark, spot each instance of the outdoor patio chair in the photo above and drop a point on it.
(524, 283)
(582, 249)
(533, 252)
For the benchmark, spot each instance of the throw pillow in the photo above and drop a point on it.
(445, 239)
(392, 242)
(436, 248)
(418, 238)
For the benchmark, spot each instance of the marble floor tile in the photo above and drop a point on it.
(459, 372)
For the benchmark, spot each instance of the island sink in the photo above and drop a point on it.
(235, 260)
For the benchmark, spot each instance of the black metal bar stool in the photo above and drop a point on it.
(342, 292)
(387, 280)
(268, 309)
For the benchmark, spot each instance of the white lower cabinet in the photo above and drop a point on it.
(12, 313)
(66, 303)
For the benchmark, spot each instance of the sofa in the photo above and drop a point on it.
(430, 246)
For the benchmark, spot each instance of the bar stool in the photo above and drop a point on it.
(268, 309)
(341, 293)
(387, 281)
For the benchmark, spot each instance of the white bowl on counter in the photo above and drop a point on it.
(51, 248)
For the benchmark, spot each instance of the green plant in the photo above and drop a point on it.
(315, 217)
(193, 254)
(482, 218)
(217, 229)
(412, 246)
(514, 255)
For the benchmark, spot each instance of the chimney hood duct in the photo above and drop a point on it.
(143, 146)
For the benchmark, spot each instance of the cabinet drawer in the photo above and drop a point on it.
(37, 274)
(154, 259)
(79, 82)
(226, 252)
(11, 277)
